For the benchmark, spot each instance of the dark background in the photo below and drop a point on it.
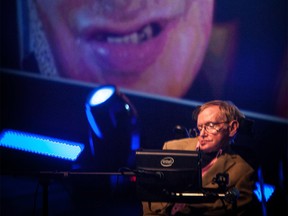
(56, 108)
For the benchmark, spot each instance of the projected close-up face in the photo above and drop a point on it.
(152, 46)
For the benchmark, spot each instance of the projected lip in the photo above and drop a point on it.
(127, 51)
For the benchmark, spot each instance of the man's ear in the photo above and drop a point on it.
(233, 127)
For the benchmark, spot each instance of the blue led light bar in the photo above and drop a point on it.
(39, 144)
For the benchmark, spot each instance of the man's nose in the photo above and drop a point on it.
(202, 132)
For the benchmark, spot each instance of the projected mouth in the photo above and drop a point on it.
(143, 34)
(120, 50)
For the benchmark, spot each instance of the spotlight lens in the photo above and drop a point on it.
(101, 95)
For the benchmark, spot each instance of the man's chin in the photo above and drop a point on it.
(206, 149)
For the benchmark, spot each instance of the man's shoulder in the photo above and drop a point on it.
(237, 161)
(181, 144)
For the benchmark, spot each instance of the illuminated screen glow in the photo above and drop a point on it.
(43, 145)
(151, 51)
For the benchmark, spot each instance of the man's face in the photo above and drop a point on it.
(152, 46)
(214, 140)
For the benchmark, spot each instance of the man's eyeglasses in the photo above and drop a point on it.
(210, 127)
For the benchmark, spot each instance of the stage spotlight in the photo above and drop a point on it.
(114, 128)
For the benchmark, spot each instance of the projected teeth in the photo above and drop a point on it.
(134, 38)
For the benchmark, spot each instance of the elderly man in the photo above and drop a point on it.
(217, 125)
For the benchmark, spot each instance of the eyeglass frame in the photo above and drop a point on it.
(198, 131)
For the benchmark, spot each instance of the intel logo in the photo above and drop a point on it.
(167, 162)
